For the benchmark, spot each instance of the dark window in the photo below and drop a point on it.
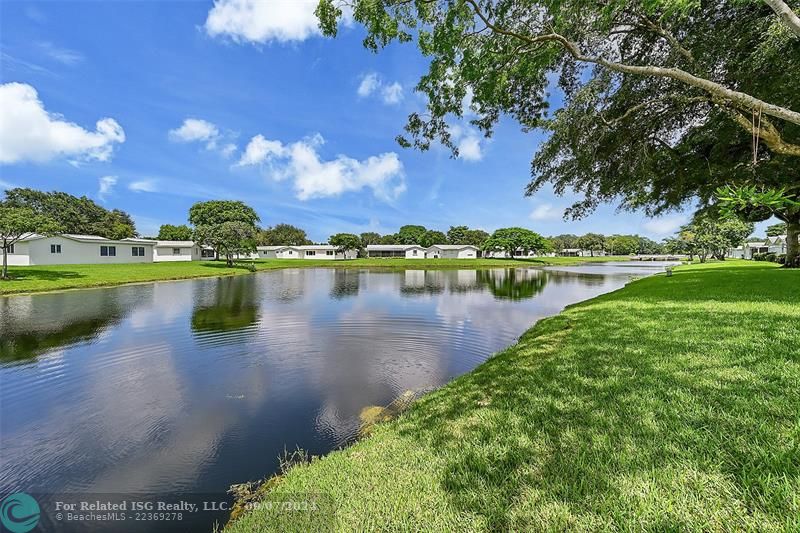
(109, 251)
(176, 251)
(311, 252)
(138, 251)
(11, 249)
(329, 252)
(55, 248)
(207, 253)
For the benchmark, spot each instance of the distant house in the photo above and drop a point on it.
(775, 245)
(579, 252)
(409, 251)
(177, 251)
(453, 251)
(70, 249)
(309, 251)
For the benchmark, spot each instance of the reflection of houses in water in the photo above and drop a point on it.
(225, 304)
(33, 324)
(417, 282)
(345, 283)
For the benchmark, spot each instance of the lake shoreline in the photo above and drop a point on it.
(599, 417)
(61, 278)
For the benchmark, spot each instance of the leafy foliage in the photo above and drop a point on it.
(230, 239)
(218, 211)
(283, 235)
(16, 222)
(345, 242)
(169, 232)
(510, 240)
(72, 214)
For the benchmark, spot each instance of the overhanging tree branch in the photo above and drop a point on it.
(716, 90)
(786, 14)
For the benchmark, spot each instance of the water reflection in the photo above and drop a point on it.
(32, 325)
(191, 386)
(226, 304)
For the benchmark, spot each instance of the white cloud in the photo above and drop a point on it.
(62, 55)
(372, 83)
(260, 21)
(392, 94)
(199, 130)
(143, 186)
(315, 178)
(545, 212)
(106, 186)
(469, 148)
(665, 225)
(29, 133)
(195, 129)
(369, 83)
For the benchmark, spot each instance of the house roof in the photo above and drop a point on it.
(388, 247)
(174, 244)
(89, 238)
(453, 246)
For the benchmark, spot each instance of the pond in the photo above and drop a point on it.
(187, 387)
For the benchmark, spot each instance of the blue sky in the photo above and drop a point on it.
(152, 106)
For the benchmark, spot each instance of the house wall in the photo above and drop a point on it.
(77, 252)
(464, 253)
(290, 253)
(162, 254)
(415, 253)
(20, 256)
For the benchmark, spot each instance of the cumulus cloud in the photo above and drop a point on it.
(199, 130)
(261, 21)
(143, 186)
(468, 142)
(314, 177)
(665, 225)
(28, 132)
(545, 212)
(372, 83)
(106, 186)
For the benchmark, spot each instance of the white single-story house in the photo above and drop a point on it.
(498, 254)
(775, 245)
(69, 249)
(454, 251)
(409, 251)
(177, 251)
(306, 251)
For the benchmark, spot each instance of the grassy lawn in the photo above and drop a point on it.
(672, 404)
(60, 277)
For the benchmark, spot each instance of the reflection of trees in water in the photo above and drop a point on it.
(31, 325)
(513, 283)
(345, 283)
(556, 277)
(507, 284)
(228, 305)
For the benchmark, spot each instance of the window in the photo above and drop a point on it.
(108, 251)
(329, 252)
(310, 252)
(55, 248)
(137, 251)
(11, 249)
(207, 253)
(414, 252)
(290, 252)
(176, 251)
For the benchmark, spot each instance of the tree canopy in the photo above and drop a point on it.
(72, 214)
(168, 232)
(509, 240)
(16, 222)
(283, 235)
(231, 239)
(345, 242)
(219, 211)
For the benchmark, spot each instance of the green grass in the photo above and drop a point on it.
(670, 405)
(61, 277)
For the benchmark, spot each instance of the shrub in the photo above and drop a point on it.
(771, 257)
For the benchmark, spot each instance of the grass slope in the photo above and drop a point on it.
(60, 277)
(672, 404)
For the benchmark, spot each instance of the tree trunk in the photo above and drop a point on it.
(792, 244)
(5, 262)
